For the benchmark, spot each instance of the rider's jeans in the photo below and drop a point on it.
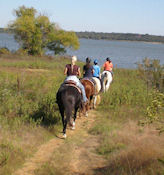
(78, 83)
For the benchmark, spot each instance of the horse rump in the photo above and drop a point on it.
(69, 100)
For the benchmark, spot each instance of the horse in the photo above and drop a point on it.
(98, 87)
(92, 89)
(89, 90)
(69, 100)
(106, 79)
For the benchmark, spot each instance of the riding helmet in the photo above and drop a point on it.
(95, 61)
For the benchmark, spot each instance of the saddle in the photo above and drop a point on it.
(73, 84)
(110, 72)
(92, 82)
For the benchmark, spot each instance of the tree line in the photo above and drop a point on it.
(121, 36)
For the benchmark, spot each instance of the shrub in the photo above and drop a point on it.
(4, 50)
(153, 73)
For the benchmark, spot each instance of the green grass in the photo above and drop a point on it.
(29, 115)
(124, 143)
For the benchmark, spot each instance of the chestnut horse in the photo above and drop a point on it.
(89, 90)
(92, 88)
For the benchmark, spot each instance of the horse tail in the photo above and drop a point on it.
(101, 80)
(69, 107)
(104, 75)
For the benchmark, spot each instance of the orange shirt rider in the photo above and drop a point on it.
(108, 65)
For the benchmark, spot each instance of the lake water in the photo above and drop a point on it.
(124, 54)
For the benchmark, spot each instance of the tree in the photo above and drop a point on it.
(153, 73)
(61, 40)
(36, 33)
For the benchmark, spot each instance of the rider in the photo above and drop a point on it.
(108, 65)
(96, 69)
(88, 69)
(72, 71)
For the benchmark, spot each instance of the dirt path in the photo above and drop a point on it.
(83, 159)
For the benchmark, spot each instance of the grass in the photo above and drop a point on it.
(29, 115)
(128, 147)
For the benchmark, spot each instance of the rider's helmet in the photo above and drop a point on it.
(95, 62)
(88, 60)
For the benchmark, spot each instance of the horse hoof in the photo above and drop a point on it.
(86, 115)
(64, 136)
(73, 128)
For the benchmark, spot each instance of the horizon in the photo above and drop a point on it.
(137, 17)
(110, 32)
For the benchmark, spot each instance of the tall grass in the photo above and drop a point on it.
(29, 116)
(129, 148)
(28, 112)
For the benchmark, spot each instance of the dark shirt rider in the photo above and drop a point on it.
(88, 69)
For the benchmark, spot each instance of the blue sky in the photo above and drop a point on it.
(125, 16)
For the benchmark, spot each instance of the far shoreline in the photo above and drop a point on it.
(151, 42)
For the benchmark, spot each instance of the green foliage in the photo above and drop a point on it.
(127, 89)
(4, 50)
(36, 33)
(102, 127)
(47, 111)
(108, 147)
(61, 40)
(21, 52)
(29, 114)
(156, 107)
(153, 73)
(123, 143)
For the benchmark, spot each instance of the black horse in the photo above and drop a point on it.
(69, 100)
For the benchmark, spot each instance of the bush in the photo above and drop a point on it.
(153, 73)
(4, 50)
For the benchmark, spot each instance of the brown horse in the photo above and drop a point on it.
(90, 91)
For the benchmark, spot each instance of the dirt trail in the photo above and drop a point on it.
(83, 159)
(41, 156)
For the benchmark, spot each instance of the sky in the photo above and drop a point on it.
(123, 16)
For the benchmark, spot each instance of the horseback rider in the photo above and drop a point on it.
(108, 65)
(96, 69)
(88, 69)
(72, 71)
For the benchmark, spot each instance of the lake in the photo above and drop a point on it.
(124, 54)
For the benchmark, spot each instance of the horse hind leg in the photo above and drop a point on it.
(68, 113)
(108, 85)
(64, 129)
(63, 121)
(94, 101)
(91, 104)
(74, 118)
